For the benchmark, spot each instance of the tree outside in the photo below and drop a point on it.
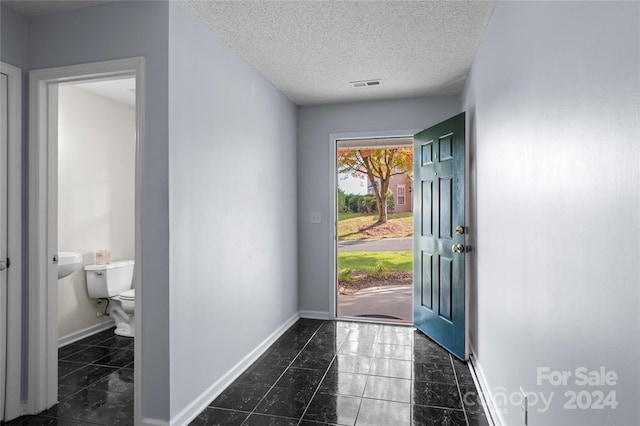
(378, 165)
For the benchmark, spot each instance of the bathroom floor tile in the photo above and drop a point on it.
(70, 349)
(120, 381)
(86, 375)
(116, 411)
(116, 358)
(117, 342)
(66, 367)
(65, 391)
(88, 355)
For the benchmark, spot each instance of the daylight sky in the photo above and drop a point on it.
(352, 185)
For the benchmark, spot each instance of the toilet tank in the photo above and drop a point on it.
(109, 280)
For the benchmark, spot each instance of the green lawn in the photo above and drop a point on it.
(396, 261)
(347, 215)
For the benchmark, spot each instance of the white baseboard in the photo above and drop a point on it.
(192, 410)
(489, 404)
(314, 315)
(81, 334)
(153, 422)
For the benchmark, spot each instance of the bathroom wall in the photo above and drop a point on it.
(96, 186)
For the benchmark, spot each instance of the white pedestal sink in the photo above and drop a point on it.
(68, 263)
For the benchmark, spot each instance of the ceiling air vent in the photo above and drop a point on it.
(365, 83)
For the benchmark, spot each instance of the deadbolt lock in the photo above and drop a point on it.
(457, 248)
(460, 230)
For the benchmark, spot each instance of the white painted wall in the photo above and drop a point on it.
(315, 124)
(553, 109)
(232, 188)
(96, 187)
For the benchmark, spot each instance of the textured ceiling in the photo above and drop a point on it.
(311, 50)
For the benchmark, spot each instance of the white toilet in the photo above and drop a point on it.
(113, 281)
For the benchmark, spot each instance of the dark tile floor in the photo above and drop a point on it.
(95, 384)
(317, 373)
(349, 373)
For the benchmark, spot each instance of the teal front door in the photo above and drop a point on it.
(439, 243)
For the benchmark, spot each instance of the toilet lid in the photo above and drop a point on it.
(128, 295)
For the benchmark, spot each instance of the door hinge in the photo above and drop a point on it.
(55, 259)
(8, 262)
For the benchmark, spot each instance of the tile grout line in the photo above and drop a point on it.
(321, 379)
(455, 374)
(253, 411)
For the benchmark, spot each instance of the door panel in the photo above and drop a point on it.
(439, 287)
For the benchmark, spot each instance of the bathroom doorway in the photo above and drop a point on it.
(96, 188)
(85, 176)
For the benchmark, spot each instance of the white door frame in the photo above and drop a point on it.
(43, 320)
(333, 202)
(11, 376)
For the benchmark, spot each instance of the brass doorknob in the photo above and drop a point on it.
(460, 230)
(457, 248)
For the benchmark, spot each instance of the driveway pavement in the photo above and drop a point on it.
(386, 244)
(385, 303)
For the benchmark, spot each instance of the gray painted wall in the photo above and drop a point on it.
(315, 124)
(14, 44)
(553, 109)
(90, 35)
(14, 50)
(232, 186)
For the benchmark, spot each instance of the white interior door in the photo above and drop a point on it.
(4, 129)
(10, 242)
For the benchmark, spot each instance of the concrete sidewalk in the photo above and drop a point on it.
(385, 303)
(385, 244)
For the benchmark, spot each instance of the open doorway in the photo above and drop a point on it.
(85, 165)
(374, 229)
